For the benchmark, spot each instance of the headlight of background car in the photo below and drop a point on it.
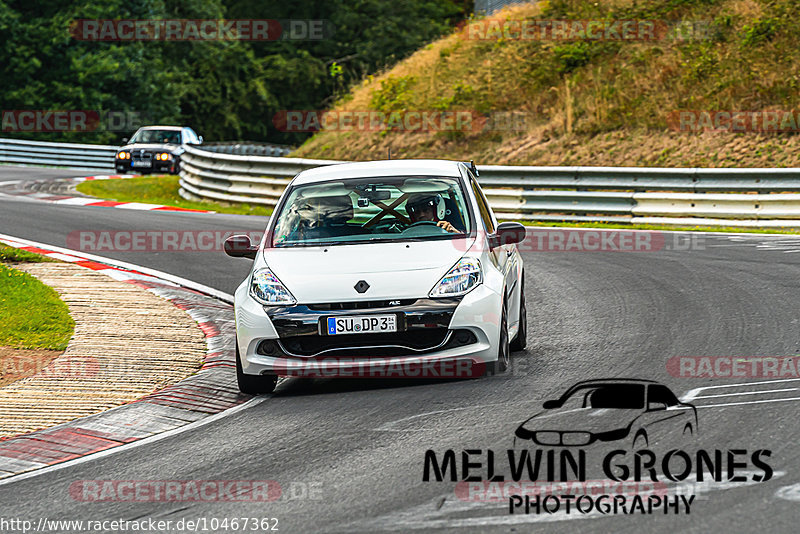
(164, 156)
(460, 280)
(267, 289)
(123, 155)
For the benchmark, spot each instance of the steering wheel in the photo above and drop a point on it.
(418, 223)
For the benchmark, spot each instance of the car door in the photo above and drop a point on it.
(665, 418)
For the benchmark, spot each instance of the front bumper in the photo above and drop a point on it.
(125, 166)
(452, 337)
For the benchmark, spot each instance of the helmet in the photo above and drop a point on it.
(422, 200)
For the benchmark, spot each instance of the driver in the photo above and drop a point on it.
(428, 207)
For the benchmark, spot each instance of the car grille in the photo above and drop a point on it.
(360, 305)
(378, 345)
(554, 438)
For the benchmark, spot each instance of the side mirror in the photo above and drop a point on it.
(239, 246)
(549, 405)
(200, 139)
(125, 140)
(507, 233)
(656, 406)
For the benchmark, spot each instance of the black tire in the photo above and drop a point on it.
(521, 339)
(253, 384)
(504, 349)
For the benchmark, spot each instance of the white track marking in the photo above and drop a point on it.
(789, 493)
(152, 439)
(144, 441)
(747, 393)
(746, 402)
(225, 297)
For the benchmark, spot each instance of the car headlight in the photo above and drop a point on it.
(266, 289)
(460, 280)
(164, 156)
(123, 155)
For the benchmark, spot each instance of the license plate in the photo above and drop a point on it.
(361, 324)
(142, 163)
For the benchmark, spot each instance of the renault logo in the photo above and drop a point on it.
(361, 286)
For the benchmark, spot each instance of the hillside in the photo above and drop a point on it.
(596, 101)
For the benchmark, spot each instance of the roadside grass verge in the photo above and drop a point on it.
(15, 255)
(32, 316)
(159, 190)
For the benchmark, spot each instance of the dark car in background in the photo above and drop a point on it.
(155, 149)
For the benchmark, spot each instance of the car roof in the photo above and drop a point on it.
(367, 169)
(162, 127)
(612, 381)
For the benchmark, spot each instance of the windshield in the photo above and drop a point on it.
(616, 396)
(167, 137)
(372, 209)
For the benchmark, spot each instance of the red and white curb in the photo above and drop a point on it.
(203, 397)
(27, 189)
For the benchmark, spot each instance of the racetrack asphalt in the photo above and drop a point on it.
(349, 454)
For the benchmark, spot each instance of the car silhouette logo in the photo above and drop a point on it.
(606, 410)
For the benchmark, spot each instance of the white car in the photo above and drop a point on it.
(380, 269)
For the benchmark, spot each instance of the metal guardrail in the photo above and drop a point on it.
(612, 194)
(69, 155)
(248, 149)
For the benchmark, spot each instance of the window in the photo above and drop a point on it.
(483, 206)
(662, 394)
(172, 137)
(616, 396)
(372, 209)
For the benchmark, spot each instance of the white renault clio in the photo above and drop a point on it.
(380, 269)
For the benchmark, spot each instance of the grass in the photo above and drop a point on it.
(606, 103)
(159, 190)
(32, 316)
(15, 255)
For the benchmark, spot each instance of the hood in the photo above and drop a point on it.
(150, 146)
(397, 270)
(582, 419)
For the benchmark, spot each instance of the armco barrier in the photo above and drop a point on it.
(69, 155)
(614, 194)
(101, 157)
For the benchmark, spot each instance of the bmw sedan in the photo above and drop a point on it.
(380, 269)
(155, 149)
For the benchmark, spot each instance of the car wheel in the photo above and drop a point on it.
(521, 339)
(504, 349)
(640, 440)
(253, 384)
